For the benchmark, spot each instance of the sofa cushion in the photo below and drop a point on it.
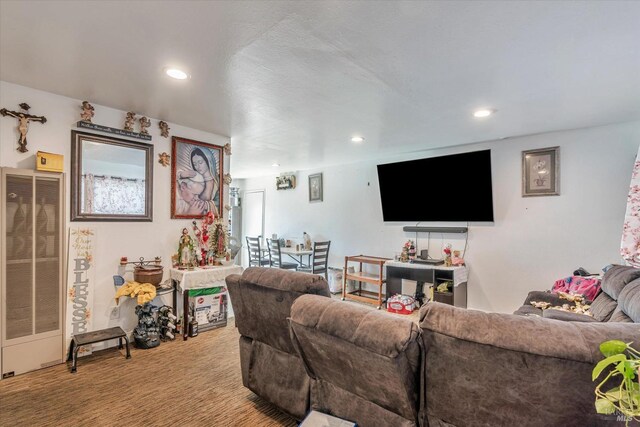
(567, 316)
(619, 316)
(603, 307)
(629, 300)
(617, 277)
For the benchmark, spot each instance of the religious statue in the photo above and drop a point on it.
(227, 149)
(130, 121)
(164, 159)
(23, 123)
(144, 124)
(164, 128)
(87, 112)
(185, 249)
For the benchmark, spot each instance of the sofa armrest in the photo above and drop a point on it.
(544, 296)
(578, 341)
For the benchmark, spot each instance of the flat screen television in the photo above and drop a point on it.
(447, 188)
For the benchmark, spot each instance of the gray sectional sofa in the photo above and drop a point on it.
(618, 301)
(457, 367)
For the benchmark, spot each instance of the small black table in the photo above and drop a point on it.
(79, 340)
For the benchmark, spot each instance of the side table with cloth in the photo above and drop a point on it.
(199, 278)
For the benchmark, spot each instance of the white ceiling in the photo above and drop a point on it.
(291, 82)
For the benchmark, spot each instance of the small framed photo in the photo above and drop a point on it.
(315, 187)
(541, 172)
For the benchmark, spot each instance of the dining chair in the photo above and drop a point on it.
(275, 256)
(320, 259)
(255, 253)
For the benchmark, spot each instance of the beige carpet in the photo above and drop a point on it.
(194, 383)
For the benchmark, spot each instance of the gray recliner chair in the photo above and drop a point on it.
(271, 368)
(364, 365)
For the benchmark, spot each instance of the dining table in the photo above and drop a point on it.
(297, 255)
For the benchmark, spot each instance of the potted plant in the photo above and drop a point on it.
(623, 362)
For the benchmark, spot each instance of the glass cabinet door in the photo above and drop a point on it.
(19, 256)
(33, 249)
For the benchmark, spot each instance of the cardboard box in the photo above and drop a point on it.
(49, 162)
(209, 307)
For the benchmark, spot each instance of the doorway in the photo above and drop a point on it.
(252, 218)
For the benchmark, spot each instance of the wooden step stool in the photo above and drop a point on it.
(93, 337)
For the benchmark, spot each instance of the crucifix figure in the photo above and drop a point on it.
(23, 123)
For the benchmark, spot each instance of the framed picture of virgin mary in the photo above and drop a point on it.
(196, 178)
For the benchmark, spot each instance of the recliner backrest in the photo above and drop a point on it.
(262, 299)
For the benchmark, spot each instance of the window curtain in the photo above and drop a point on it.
(113, 195)
(630, 248)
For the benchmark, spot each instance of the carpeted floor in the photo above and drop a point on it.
(194, 383)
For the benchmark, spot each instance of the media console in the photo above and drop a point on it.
(434, 274)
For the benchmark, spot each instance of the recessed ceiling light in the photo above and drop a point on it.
(483, 113)
(176, 74)
(357, 139)
(275, 165)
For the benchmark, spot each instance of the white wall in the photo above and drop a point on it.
(113, 239)
(533, 242)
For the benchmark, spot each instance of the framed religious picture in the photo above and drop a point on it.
(541, 172)
(196, 178)
(315, 187)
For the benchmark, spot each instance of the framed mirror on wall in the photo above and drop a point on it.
(111, 179)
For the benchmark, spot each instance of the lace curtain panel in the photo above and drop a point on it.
(112, 195)
(630, 248)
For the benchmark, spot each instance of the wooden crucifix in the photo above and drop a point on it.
(23, 123)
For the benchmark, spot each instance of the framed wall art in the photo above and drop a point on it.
(541, 172)
(196, 178)
(315, 187)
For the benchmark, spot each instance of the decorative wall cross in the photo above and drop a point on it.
(23, 123)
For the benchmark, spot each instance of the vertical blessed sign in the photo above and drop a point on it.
(80, 284)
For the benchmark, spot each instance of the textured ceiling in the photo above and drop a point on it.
(291, 82)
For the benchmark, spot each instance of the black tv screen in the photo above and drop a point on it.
(446, 188)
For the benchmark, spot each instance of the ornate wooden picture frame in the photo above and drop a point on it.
(196, 178)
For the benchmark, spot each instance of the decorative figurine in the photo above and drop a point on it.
(408, 251)
(218, 238)
(227, 178)
(227, 149)
(130, 121)
(307, 241)
(456, 260)
(447, 255)
(164, 159)
(23, 123)
(164, 128)
(144, 124)
(185, 249)
(87, 112)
